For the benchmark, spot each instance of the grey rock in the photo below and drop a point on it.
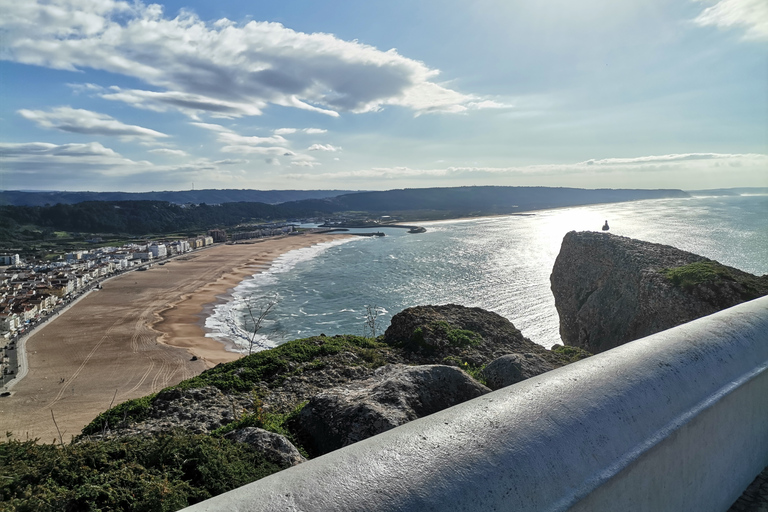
(395, 395)
(429, 334)
(197, 411)
(513, 368)
(275, 447)
(610, 289)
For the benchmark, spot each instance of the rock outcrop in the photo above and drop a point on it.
(433, 334)
(610, 289)
(275, 447)
(395, 395)
(513, 368)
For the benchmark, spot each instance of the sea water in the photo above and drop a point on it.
(501, 264)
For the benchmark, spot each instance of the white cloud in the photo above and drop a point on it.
(704, 162)
(323, 147)
(231, 161)
(310, 131)
(221, 68)
(190, 104)
(749, 15)
(81, 121)
(40, 158)
(303, 161)
(645, 161)
(233, 142)
(169, 152)
(81, 165)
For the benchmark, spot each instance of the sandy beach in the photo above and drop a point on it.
(135, 336)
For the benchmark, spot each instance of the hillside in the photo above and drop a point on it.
(462, 201)
(243, 420)
(209, 196)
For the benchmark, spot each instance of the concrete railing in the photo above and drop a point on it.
(676, 421)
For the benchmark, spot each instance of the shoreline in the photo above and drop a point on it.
(137, 335)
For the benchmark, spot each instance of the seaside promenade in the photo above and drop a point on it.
(134, 336)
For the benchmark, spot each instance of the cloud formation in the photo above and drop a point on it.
(222, 68)
(42, 158)
(67, 119)
(691, 161)
(749, 15)
(233, 142)
(323, 147)
(169, 152)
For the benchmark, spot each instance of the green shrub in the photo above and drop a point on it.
(162, 473)
(441, 329)
(130, 411)
(274, 364)
(572, 354)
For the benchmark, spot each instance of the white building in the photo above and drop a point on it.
(158, 250)
(10, 259)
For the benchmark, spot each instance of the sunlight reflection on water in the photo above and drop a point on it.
(501, 264)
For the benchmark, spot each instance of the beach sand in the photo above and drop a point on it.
(135, 336)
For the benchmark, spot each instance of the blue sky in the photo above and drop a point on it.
(112, 95)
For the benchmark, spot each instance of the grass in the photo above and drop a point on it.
(130, 411)
(443, 330)
(697, 273)
(273, 422)
(572, 354)
(272, 365)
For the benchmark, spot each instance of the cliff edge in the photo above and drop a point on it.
(610, 289)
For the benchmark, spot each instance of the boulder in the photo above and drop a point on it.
(395, 395)
(513, 368)
(610, 289)
(430, 334)
(276, 448)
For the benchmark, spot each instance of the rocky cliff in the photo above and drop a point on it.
(610, 289)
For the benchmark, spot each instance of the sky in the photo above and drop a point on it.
(110, 95)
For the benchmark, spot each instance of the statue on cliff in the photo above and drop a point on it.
(605, 226)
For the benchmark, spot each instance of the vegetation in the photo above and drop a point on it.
(697, 273)
(444, 330)
(274, 422)
(571, 354)
(474, 371)
(272, 366)
(129, 411)
(141, 217)
(175, 469)
(162, 473)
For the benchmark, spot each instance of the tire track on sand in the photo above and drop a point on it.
(80, 368)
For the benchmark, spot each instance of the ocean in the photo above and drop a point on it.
(501, 264)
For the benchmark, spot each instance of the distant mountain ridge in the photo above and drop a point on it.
(463, 201)
(161, 216)
(208, 196)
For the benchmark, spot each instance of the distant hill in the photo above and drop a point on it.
(729, 191)
(208, 196)
(489, 200)
(141, 217)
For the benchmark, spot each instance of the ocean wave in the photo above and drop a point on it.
(227, 321)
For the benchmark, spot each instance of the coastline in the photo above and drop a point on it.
(135, 336)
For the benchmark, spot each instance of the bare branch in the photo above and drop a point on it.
(61, 440)
(258, 311)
